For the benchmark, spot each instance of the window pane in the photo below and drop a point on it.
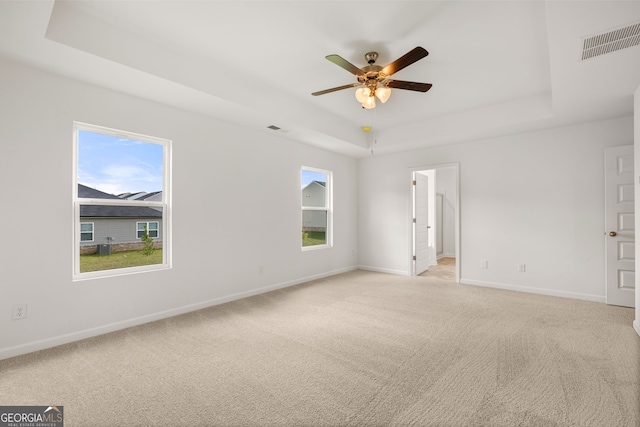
(313, 188)
(124, 175)
(115, 244)
(153, 229)
(86, 232)
(111, 167)
(314, 228)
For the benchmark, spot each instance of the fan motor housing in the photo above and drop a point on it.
(371, 57)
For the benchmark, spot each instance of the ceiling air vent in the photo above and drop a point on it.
(620, 38)
(273, 127)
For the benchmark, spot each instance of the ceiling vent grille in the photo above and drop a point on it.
(611, 41)
(273, 127)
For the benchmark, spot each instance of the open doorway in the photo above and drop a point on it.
(435, 222)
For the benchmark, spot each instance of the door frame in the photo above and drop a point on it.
(457, 238)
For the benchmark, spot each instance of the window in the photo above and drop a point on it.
(86, 232)
(121, 188)
(150, 227)
(316, 193)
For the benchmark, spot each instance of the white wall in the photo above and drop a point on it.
(535, 199)
(636, 154)
(220, 236)
(446, 185)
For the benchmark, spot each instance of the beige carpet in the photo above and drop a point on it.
(357, 349)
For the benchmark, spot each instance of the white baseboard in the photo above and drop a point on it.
(445, 255)
(549, 292)
(383, 270)
(636, 326)
(112, 327)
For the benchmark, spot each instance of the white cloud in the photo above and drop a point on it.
(128, 173)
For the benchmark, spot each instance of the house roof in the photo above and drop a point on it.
(320, 183)
(93, 211)
(85, 192)
(148, 195)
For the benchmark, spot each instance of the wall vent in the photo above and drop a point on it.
(620, 38)
(273, 127)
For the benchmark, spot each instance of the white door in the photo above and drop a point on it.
(439, 224)
(421, 220)
(620, 226)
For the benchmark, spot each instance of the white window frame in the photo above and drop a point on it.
(328, 207)
(93, 232)
(165, 204)
(157, 229)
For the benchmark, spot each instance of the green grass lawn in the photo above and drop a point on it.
(314, 238)
(118, 260)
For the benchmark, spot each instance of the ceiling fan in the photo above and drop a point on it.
(374, 81)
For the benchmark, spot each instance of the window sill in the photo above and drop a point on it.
(315, 247)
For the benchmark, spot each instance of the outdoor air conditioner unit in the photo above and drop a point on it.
(104, 249)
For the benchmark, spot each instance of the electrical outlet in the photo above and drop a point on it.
(260, 269)
(521, 268)
(484, 264)
(19, 311)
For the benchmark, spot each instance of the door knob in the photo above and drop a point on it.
(613, 234)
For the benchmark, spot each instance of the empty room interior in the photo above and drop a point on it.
(320, 212)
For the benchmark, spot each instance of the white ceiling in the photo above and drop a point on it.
(497, 67)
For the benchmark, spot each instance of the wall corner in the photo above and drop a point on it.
(636, 145)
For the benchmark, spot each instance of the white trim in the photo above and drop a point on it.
(120, 272)
(636, 326)
(315, 247)
(328, 207)
(165, 204)
(157, 229)
(383, 270)
(539, 291)
(92, 332)
(93, 232)
(458, 246)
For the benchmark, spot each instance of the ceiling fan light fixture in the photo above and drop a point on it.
(383, 93)
(362, 93)
(373, 80)
(369, 103)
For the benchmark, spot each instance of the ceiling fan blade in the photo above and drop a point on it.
(407, 59)
(400, 84)
(341, 62)
(322, 92)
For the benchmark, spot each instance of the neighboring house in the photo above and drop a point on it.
(120, 227)
(155, 196)
(314, 195)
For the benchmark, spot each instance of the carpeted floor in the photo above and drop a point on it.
(357, 349)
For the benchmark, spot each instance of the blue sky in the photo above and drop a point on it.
(118, 165)
(308, 176)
